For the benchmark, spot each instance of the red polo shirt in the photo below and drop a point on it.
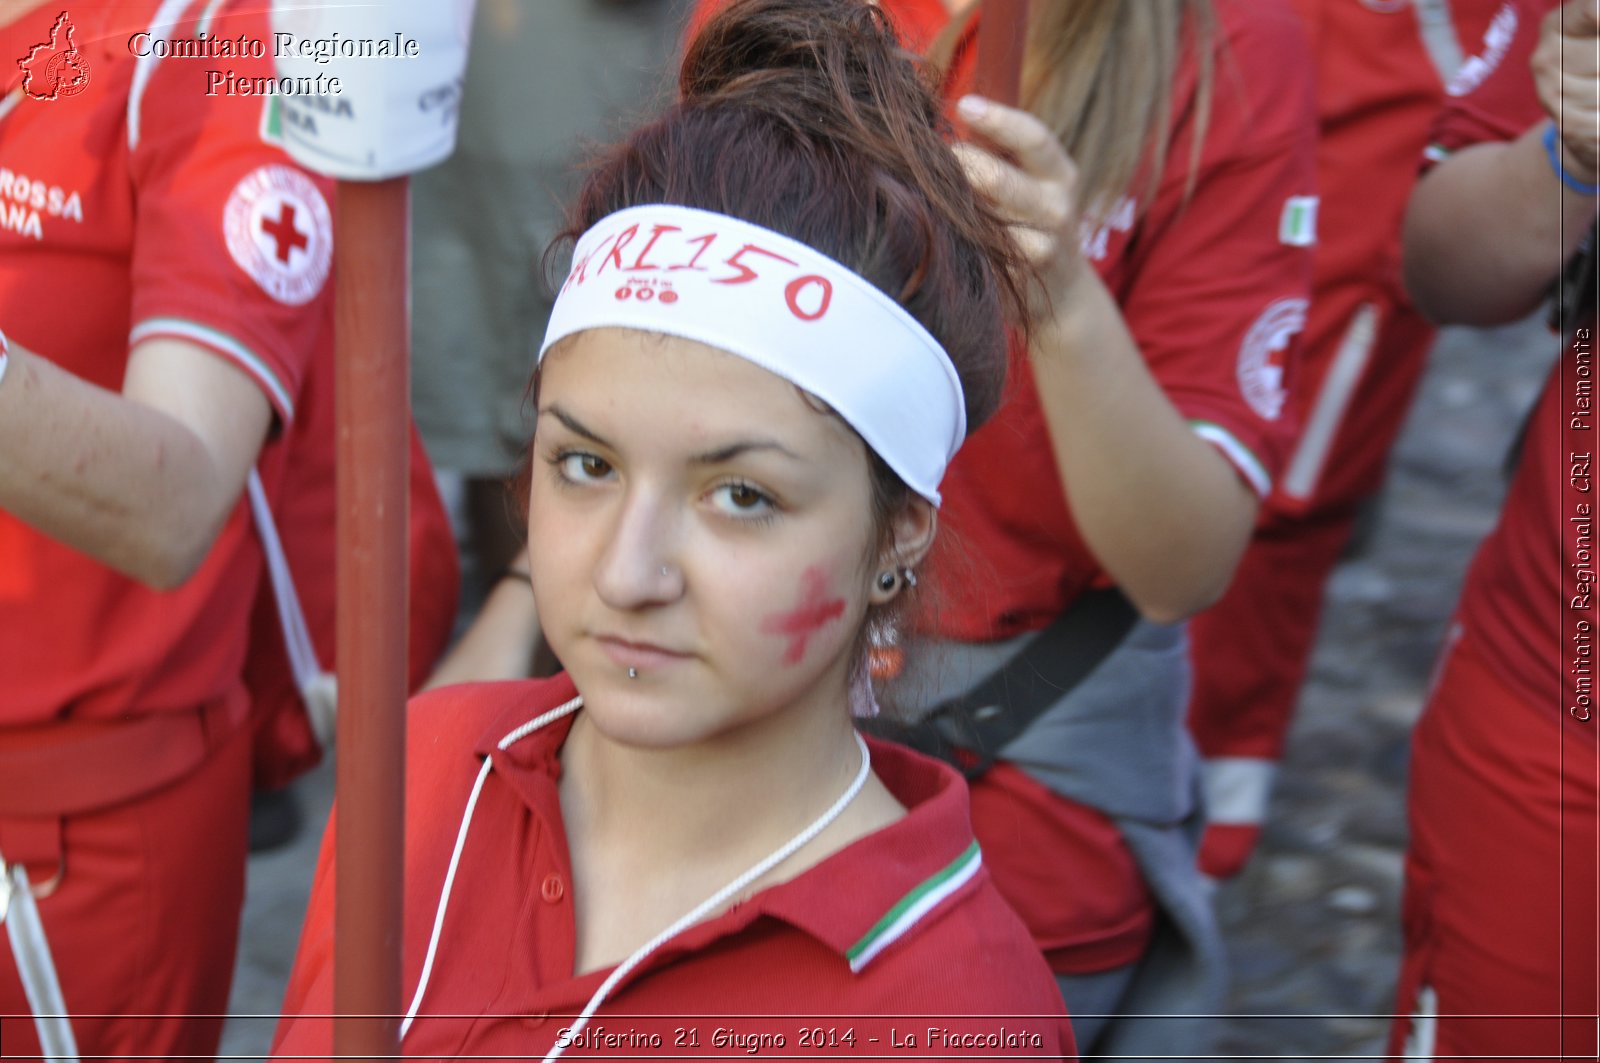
(896, 944)
(140, 207)
(1212, 276)
(1379, 86)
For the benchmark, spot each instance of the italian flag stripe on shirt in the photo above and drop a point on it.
(207, 336)
(1239, 455)
(914, 905)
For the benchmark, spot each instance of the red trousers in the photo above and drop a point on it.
(1501, 941)
(144, 924)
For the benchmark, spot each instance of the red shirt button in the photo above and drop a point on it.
(553, 889)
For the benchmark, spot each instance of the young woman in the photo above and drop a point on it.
(785, 309)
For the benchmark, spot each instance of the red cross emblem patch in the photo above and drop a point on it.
(1264, 355)
(279, 231)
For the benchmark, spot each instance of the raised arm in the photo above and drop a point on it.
(1164, 512)
(1489, 227)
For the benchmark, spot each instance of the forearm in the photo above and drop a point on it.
(1162, 511)
(1487, 232)
(120, 481)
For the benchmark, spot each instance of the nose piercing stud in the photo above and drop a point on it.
(666, 570)
(633, 673)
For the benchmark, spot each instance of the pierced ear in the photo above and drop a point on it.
(911, 534)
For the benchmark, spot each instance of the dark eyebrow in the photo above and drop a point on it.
(744, 446)
(573, 424)
(709, 457)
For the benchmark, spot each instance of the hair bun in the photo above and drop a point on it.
(806, 60)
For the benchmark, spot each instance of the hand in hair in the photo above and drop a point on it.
(1033, 184)
(1166, 516)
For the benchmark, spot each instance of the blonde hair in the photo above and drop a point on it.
(1100, 73)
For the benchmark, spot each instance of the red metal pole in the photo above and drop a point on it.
(372, 396)
(1002, 35)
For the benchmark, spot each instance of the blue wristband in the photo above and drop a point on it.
(1567, 179)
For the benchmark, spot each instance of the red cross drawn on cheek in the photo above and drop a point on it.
(284, 232)
(814, 612)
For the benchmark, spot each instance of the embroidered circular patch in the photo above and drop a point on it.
(279, 231)
(1263, 356)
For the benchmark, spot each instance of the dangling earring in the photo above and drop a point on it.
(883, 661)
(885, 656)
(909, 576)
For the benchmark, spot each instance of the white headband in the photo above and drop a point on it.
(782, 305)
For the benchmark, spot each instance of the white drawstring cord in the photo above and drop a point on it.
(444, 900)
(35, 966)
(714, 902)
(318, 689)
(461, 841)
(700, 911)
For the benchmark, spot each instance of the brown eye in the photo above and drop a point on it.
(582, 467)
(742, 500)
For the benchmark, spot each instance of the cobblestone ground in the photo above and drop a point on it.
(1313, 922)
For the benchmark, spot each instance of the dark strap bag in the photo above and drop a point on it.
(970, 730)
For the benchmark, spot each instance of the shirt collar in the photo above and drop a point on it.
(857, 901)
(878, 889)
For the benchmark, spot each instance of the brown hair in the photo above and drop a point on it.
(1100, 73)
(806, 117)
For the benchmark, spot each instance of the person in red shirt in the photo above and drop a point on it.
(1382, 69)
(786, 304)
(1503, 866)
(164, 286)
(1115, 490)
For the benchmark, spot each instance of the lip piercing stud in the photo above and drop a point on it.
(633, 673)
